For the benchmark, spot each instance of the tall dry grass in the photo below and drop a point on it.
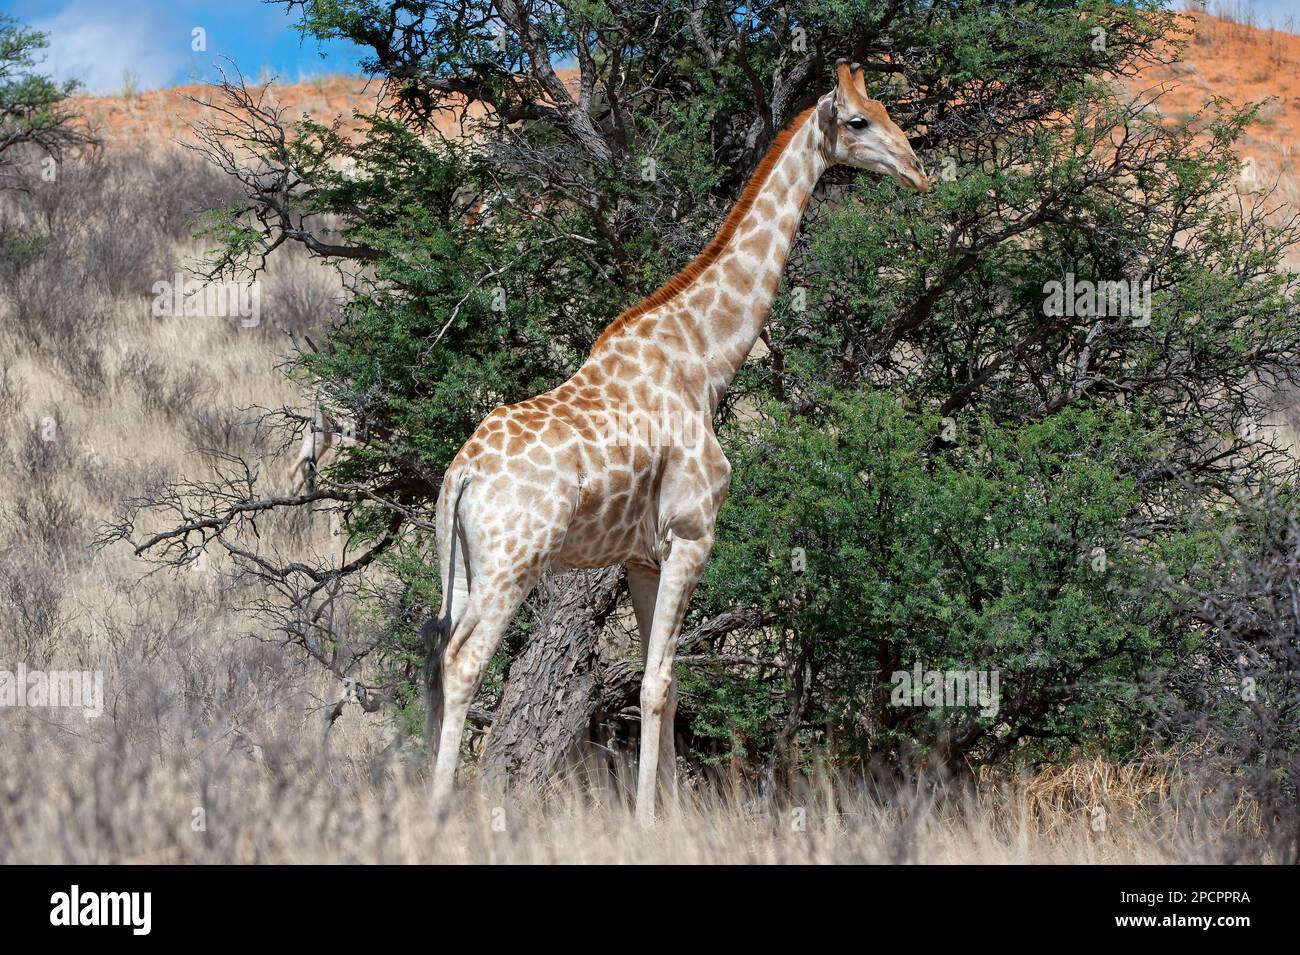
(170, 794)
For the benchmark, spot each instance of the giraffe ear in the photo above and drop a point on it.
(826, 113)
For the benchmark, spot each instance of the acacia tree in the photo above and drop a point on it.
(931, 464)
(35, 117)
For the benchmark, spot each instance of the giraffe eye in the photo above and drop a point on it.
(858, 122)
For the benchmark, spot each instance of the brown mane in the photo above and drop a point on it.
(683, 279)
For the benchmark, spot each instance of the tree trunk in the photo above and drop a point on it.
(554, 685)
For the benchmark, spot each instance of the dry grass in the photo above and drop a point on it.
(297, 799)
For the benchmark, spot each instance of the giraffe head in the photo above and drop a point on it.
(858, 132)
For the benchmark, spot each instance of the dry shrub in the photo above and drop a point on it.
(13, 396)
(46, 521)
(1161, 782)
(218, 429)
(47, 304)
(46, 449)
(167, 391)
(1080, 788)
(31, 599)
(295, 301)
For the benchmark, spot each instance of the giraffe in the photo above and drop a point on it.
(620, 464)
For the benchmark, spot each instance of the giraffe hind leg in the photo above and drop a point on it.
(465, 658)
(452, 616)
(497, 582)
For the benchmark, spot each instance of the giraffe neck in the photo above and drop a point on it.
(714, 310)
(748, 270)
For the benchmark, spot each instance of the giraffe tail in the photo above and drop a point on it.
(435, 640)
(437, 632)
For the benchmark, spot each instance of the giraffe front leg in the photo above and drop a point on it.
(677, 580)
(668, 748)
(643, 587)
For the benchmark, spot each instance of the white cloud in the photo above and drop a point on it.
(101, 45)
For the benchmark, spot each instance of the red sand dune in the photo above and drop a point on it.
(1243, 64)
(170, 115)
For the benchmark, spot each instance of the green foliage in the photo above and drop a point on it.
(1011, 551)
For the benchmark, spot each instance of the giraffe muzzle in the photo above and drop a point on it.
(914, 176)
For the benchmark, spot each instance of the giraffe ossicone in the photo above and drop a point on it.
(568, 478)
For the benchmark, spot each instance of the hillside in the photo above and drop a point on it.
(1235, 61)
(1242, 64)
(169, 115)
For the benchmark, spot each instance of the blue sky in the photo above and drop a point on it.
(102, 42)
(1270, 12)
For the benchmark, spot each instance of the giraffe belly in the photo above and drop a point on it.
(612, 525)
